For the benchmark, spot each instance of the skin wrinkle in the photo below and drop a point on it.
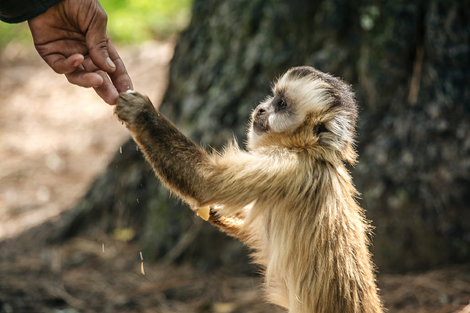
(289, 197)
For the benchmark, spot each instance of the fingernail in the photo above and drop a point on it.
(76, 63)
(110, 63)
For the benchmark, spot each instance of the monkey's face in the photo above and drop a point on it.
(273, 115)
(294, 102)
(307, 109)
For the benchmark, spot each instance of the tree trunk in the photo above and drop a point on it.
(409, 65)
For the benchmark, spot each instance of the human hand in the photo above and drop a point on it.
(71, 37)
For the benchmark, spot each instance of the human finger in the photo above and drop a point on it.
(89, 65)
(84, 78)
(120, 78)
(97, 39)
(63, 56)
(62, 65)
(107, 91)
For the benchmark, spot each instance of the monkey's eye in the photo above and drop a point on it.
(282, 104)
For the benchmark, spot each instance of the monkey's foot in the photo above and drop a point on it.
(134, 109)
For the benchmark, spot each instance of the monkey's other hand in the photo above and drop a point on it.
(134, 109)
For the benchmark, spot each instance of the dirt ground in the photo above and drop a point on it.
(55, 138)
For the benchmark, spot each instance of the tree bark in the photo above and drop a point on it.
(409, 65)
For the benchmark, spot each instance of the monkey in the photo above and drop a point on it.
(289, 196)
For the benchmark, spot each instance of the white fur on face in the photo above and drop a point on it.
(308, 93)
(282, 121)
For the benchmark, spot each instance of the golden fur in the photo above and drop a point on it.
(290, 197)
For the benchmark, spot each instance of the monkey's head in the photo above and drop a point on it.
(308, 110)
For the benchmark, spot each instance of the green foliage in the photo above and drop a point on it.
(17, 32)
(129, 21)
(133, 21)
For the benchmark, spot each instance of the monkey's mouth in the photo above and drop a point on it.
(259, 128)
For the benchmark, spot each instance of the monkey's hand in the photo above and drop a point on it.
(135, 110)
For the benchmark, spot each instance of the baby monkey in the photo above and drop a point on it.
(289, 197)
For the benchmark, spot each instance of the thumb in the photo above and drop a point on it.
(97, 40)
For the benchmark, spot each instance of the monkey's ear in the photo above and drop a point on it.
(320, 128)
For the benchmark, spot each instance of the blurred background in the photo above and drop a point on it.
(82, 217)
(129, 22)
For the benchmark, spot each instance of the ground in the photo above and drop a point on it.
(55, 138)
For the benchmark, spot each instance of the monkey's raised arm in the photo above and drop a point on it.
(179, 163)
(237, 178)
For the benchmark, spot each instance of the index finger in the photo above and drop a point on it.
(120, 78)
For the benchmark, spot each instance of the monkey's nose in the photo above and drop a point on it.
(259, 111)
